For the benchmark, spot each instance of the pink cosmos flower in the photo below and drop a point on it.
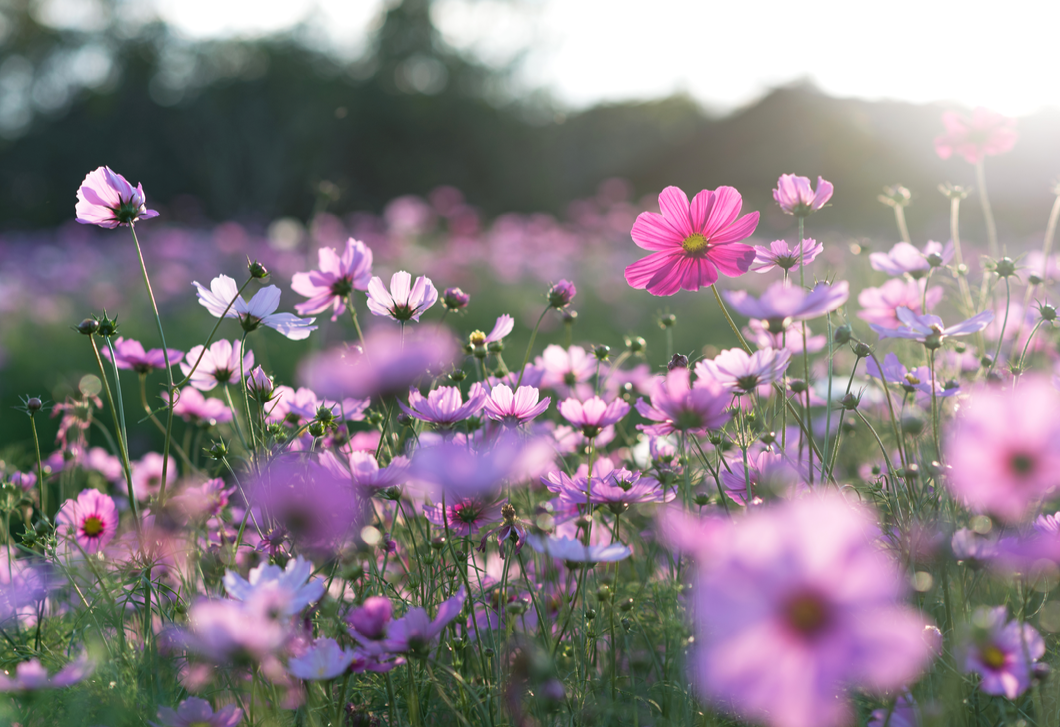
(219, 365)
(147, 475)
(566, 370)
(91, 520)
(205, 500)
(1004, 449)
(758, 332)
(1003, 654)
(783, 303)
(404, 301)
(195, 712)
(222, 629)
(771, 474)
(677, 407)
(106, 199)
(904, 259)
(796, 197)
(324, 660)
(929, 329)
(464, 516)
(592, 415)
(415, 630)
(618, 488)
(370, 620)
(366, 472)
(984, 133)
(516, 408)
(260, 311)
(781, 255)
(796, 604)
(880, 305)
(737, 370)
(455, 470)
(442, 406)
(455, 299)
(331, 286)
(259, 384)
(130, 354)
(31, 675)
(195, 408)
(693, 241)
(916, 381)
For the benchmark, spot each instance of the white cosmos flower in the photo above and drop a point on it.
(260, 311)
(293, 581)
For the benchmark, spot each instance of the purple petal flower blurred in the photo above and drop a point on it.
(31, 675)
(929, 329)
(219, 364)
(781, 255)
(91, 520)
(984, 133)
(324, 660)
(916, 381)
(796, 197)
(106, 199)
(783, 303)
(442, 406)
(1003, 654)
(513, 409)
(331, 286)
(457, 471)
(195, 408)
(464, 516)
(905, 259)
(574, 551)
(415, 630)
(404, 301)
(260, 311)
(758, 332)
(880, 305)
(195, 712)
(295, 579)
(677, 407)
(566, 370)
(592, 415)
(455, 299)
(370, 621)
(904, 714)
(147, 475)
(130, 354)
(735, 369)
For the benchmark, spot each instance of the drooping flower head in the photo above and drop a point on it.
(692, 241)
(1002, 652)
(405, 300)
(796, 197)
(106, 199)
(91, 520)
(984, 133)
(331, 286)
(260, 311)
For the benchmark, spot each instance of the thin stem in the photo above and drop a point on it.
(40, 476)
(530, 346)
(209, 339)
(899, 217)
(1019, 367)
(1004, 323)
(122, 450)
(988, 215)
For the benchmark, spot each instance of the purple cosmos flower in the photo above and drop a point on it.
(404, 301)
(195, 408)
(796, 197)
(744, 373)
(31, 675)
(205, 500)
(331, 286)
(457, 471)
(222, 629)
(783, 303)
(91, 520)
(465, 515)
(25, 480)
(691, 242)
(781, 255)
(219, 364)
(916, 381)
(106, 199)
(370, 621)
(294, 579)
(516, 408)
(259, 384)
(771, 473)
(260, 311)
(366, 472)
(389, 366)
(569, 550)
(415, 630)
(442, 406)
(796, 604)
(195, 712)
(905, 259)
(984, 133)
(566, 370)
(130, 354)
(618, 489)
(880, 305)
(1003, 654)
(561, 294)
(758, 332)
(147, 475)
(501, 328)
(677, 407)
(455, 299)
(592, 415)
(324, 660)
(904, 714)
(929, 329)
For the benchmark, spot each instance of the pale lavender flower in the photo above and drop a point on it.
(219, 365)
(330, 287)
(796, 197)
(147, 475)
(293, 579)
(574, 551)
(592, 415)
(904, 714)
(904, 259)
(781, 255)
(130, 354)
(735, 369)
(366, 472)
(457, 471)
(404, 301)
(222, 629)
(443, 406)
(916, 381)
(783, 303)
(106, 198)
(880, 305)
(195, 712)
(758, 332)
(415, 630)
(929, 329)
(324, 660)
(678, 407)
(195, 408)
(771, 473)
(31, 675)
(260, 311)
(1003, 654)
(618, 489)
(515, 408)
(567, 370)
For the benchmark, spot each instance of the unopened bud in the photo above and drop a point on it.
(679, 361)
(561, 294)
(934, 260)
(257, 270)
(850, 402)
(635, 344)
(601, 352)
(668, 321)
(458, 375)
(1005, 267)
(843, 334)
(798, 386)
(1047, 312)
(88, 326)
(317, 429)
(861, 349)
(455, 299)
(217, 450)
(107, 326)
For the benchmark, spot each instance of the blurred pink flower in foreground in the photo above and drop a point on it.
(195, 712)
(106, 199)
(1002, 653)
(797, 604)
(31, 675)
(130, 354)
(783, 303)
(984, 133)
(330, 286)
(796, 197)
(693, 241)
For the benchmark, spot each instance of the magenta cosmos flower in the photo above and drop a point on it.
(984, 133)
(592, 415)
(735, 369)
(91, 520)
(442, 406)
(783, 303)
(106, 199)
(405, 300)
(260, 311)
(693, 241)
(781, 255)
(516, 408)
(1004, 449)
(31, 675)
(796, 197)
(130, 354)
(1003, 654)
(465, 515)
(415, 630)
(195, 408)
(324, 660)
(195, 712)
(219, 364)
(677, 407)
(331, 286)
(798, 603)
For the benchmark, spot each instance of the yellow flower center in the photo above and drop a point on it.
(694, 243)
(92, 526)
(477, 338)
(993, 657)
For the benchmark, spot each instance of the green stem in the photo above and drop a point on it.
(209, 338)
(988, 215)
(1004, 323)
(40, 475)
(530, 346)
(122, 450)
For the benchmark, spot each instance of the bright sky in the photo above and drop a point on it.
(723, 53)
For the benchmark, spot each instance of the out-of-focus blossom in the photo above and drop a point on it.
(592, 415)
(984, 133)
(260, 311)
(195, 408)
(442, 406)
(106, 198)
(566, 370)
(295, 579)
(516, 408)
(561, 294)
(1002, 652)
(796, 604)
(219, 364)
(904, 259)
(692, 242)
(405, 300)
(574, 551)
(677, 407)
(147, 475)
(796, 197)
(195, 712)
(758, 332)
(464, 516)
(455, 299)
(325, 659)
(223, 630)
(880, 305)
(737, 370)
(130, 354)
(366, 472)
(928, 329)
(91, 520)
(457, 471)
(331, 286)
(617, 488)
(781, 255)
(783, 303)
(370, 620)
(769, 473)
(205, 500)
(415, 630)
(1004, 449)
(31, 675)
(916, 381)
(904, 714)
(24, 480)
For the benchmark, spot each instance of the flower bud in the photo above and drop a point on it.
(843, 334)
(457, 375)
(679, 361)
(701, 500)
(217, 450)
(668, 321)
(768, 438)
(912, 425)
(861, 349)
(635, 344)
(317, 429)
(798, 386)
(850, 402)
(34, 404)
(603, 593)
(601, 352)
(1034, 279)
(934, 260)
(107, 326)
(561, 294)
(1047, 312)
(569, 316)
(257, 270)
(325, 415)
(88, 326)
(1005, 267)
(455, 299)
(495, 346)
(259, 384)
